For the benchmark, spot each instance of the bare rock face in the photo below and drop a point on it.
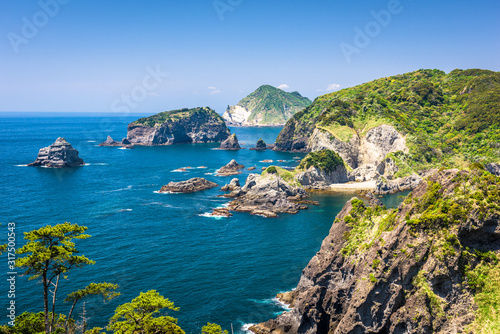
(110, 142)
(233, 185)
(267, 196)
(58, 155)
(125, 143)
(358, 151)
(493, 168)
(189, 186)
(231, 143)
(401, 280)
(198, 125)
(384, 187)
(315, 178)
(232, 168)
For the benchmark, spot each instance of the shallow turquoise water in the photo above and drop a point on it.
(223, 270)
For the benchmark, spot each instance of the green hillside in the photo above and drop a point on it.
(450, 120)
(270, 105)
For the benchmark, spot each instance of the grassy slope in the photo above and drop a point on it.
(450, 119)
(270, 101)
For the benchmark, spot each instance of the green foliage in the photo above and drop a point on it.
(106, 290)
(144, 314)
(367, 225)
(271, 170)
(436, 307)
(326, 160)
(176, 115)
(34, 323)
(49, 253)
(450, 120)
(213, 329)
(273, 105)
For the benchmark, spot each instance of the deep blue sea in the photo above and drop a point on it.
(222, 270)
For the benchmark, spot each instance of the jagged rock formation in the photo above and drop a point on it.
(267, 196)
(198, 125)
(231, 143)
(384, 187)
(125, 143)
(110, 142)
(58, 155)
(402, 270)
(233, 185)
(267, 106)
(232, 168)
(189, 186)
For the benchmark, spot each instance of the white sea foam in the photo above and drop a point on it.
(125, 210)
(21, 165)
(91, 141)
(246, 327)
(165, 192)
(210, 215)
(116, 190)
(202, 167)
(179, 170)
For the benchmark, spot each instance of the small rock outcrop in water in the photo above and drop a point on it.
(58, 155)
(232, 168)
(125, 143)
(410, 276)
(260, 146)
(230, 143)
(189, 186)
(198, 125)
(267, 196)
(110, 142)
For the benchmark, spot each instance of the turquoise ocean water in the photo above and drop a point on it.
(223, 270)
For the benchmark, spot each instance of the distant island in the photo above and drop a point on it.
(197, 125)
(267, 106)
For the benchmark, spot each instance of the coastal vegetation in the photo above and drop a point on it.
(449, 120)
(50, 255)
(174, 116)
(326, 160)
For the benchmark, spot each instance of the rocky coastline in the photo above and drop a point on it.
(58, 155)
(189, 186)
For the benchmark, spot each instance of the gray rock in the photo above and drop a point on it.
(384, 187)
(58, 155)
(232, 168)
(110, 142)
(364, 173)
(260, 146)
(233, 185)
(267, 196)
(493, 168)
(315, 178)
(189, 186)
(387, 168)
(203, 126)
(231, 143)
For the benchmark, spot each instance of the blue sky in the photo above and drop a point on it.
(150, 56)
